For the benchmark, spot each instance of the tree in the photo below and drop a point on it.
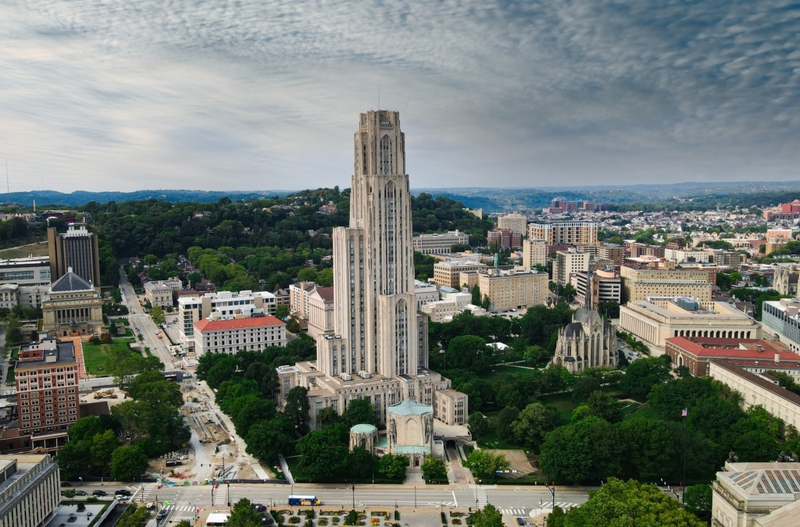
(584, 386)
(282, 312)
(643, 374)
(184, 523)
(360, 463)
(74, 458)
(604, 406)
(619, 504)
(504, 423)
(489, 516)
(297, 407)
(393, 466)
(533, 423)
(478, 425)
(360, 411)
(243, 515)
(698, 500)
(588, 450)
(103, 446)
(158, 315)
(128, 462)
(324, 453)
(266, 439)
(484, 463)
(434, 469)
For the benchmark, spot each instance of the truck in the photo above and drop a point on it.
(304, 500)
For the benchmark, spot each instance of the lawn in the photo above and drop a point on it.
(37, 248)
(645, 413)
(496, 372)
(95, 355)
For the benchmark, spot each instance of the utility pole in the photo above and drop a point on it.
(553, 492)
(354, 495)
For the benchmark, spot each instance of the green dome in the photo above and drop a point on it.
(364, 429)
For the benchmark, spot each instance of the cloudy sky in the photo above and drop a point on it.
(255, 95)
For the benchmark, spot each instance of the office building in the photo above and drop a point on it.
(320, 312)
(603, 285)
(29, 490)
(75, 249)
(425, 293)
(659, 318)
(568, 262)
(47, 392)
(515, 222)
(568, 233)
(298, 299)
(639, 284)
(158, 294)
(613, 252)
(31, 276)
(439, 243)
(534, 252)
(754, 355)
(223, 305)
(378, 348)
(781, 320)
(683, 255)
(635, 250)
(729, 259)
(232, 335)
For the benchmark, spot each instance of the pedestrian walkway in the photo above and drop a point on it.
(524, 511)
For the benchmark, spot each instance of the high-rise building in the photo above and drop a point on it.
(568, 262)
(76, 249)
(515, 222)
(379, 337)
(564, 233)
(29, 490)
(439, 243)
(534, 252)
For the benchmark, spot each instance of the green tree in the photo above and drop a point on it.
(698, 500)
(484, 463)
(622, 504)
(434, 469)
(297, 407)
(74, 458)
(588, 450)
(533, 424)
(489, 516)
(643, 374)
(324, 453)
(128, 462)
(158, 315)
(266, 439)
(478, 425)
(243, 515)
(393, 466)
(602, 405)
(361, 463)
(584, 386)
(360, 411)
(184, 523)
(103, 446)
(282, 311)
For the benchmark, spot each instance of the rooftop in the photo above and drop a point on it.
(237, 323)
(753, 349)
(409, 407)
(70, 282)
(761, 382)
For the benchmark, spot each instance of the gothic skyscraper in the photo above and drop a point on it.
(376, 344)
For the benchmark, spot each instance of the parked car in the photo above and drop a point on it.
(161, 515)
(66, 484)
(121, 497)
(259, 507)
(99, 492)
(123, 492)
(81, 493)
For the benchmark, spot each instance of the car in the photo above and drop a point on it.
(161, 515)
(123, 492)
(99, 492)
(121, 497)
(81, 493)
(259, 507)
(520, 521)
(66, 484)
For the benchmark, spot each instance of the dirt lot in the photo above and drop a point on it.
(518, 461)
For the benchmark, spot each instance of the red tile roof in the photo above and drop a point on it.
(730, 348)
(237, 323)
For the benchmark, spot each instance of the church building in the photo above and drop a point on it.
(589, 341)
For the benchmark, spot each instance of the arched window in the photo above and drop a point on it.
(386, 155)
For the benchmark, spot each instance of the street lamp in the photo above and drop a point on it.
(553, 492)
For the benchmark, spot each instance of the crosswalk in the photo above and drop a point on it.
(178, 508)
(524, 511)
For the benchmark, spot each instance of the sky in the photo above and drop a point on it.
(265, 95)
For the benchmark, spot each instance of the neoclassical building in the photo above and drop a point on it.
(378, 347)
(589, 341)
(72, 306)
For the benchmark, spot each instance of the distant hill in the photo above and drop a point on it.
(671, 195)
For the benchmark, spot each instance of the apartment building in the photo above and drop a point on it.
(503, 239)
(613, 252)
(566, 233)
(603, 285)
(47, 392)
(534, 252)
(515, 222)
(568, 262)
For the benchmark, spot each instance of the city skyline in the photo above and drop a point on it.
(216, 96)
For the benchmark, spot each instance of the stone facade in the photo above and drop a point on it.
(513, 289)
(785, 279)
(756, 495)
(29, 490)
(439, 243)
(589, 341)
(638, 284)
(516, 222)
(379, 344)
(72, 306)
(534, 252)
(409, 430)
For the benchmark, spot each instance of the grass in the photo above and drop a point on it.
(34, 247)
(10, 375)
(15, 354)
(645, 413)
(95, 355)
(499, 371)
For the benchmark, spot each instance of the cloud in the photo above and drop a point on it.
(265, 95)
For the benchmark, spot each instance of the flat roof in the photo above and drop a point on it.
(238, 323)
(759, 381)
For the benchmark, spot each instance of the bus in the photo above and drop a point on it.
(304, 500)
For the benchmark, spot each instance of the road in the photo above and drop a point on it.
(517, 501)
(142, 323)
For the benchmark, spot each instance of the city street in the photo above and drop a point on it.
(181, 502)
